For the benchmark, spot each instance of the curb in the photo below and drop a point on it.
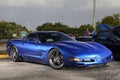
(4, 56)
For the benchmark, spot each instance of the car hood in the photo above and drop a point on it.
(104, 27)
(82, 47)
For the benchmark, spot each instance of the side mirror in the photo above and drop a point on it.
(32, 40)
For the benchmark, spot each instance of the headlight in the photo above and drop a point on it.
(81, 60)
(75, 59)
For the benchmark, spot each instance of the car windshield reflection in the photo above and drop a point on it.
(53, 37)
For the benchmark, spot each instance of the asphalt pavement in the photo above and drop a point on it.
(32, 71)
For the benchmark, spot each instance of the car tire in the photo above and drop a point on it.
(14, 54)
(55, 59)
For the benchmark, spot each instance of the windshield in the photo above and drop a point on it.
(53, 37)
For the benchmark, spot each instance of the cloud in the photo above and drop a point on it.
(12, 2)
(28, 3)
(69, 4)
(71, 12)
(108, 3)
(78, 4)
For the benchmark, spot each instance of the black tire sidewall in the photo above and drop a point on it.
(11, 54)
(52, 65)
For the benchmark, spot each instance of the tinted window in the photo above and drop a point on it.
(104, 35)
(53, 37)
(31, 36)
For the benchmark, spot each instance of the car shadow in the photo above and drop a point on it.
(86, 68)
(96, 67)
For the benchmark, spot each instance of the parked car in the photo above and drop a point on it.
(57, 50)
(84, 38)
(110, 37)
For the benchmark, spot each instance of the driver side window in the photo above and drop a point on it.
(32, 38)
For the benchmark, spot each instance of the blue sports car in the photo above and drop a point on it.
(57, 50)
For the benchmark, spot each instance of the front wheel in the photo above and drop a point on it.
(14, 54)
(55, 59)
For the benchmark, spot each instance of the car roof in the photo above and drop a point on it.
(46, 32)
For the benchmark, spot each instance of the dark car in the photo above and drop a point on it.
(110, 37)
(84, 38)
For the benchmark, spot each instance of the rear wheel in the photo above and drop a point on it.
(14, 54)
(55, 59)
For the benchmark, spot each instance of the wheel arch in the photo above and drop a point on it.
(55, 48)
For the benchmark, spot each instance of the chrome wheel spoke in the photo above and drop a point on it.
(14, 54)
(55, 59)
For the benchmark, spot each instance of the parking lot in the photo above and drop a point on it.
(32, 71)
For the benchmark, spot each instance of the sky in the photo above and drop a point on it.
(31, 13)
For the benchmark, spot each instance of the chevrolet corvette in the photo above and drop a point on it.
(57, 49)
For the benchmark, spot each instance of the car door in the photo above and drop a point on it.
(31, 49)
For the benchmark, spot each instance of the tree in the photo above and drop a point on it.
(9, 28)
(113, 20)
(60, 25)
(50, 26)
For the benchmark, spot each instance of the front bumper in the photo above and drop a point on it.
(94, 61)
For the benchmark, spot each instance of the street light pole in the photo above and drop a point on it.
(94, 14)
